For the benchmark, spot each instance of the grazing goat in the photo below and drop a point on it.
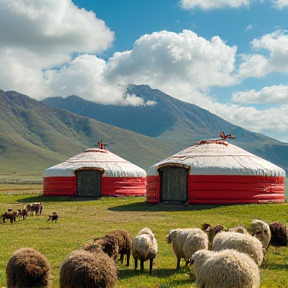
(35, 208)
(10, 215)
(22, 213)
(53, 217)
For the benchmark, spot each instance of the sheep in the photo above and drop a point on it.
(114, 243)
(144, 247)
(225, 269)
(108, 244)
(28, 268)
(83, 269)
(212, 231)
(186, 242)
(124, 240)
(279, 235)
(244, 243)
(261, 230)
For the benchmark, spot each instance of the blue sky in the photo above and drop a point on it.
(227, 56)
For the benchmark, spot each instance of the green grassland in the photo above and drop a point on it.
(81, 220)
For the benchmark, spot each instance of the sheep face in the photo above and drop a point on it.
(171, 236)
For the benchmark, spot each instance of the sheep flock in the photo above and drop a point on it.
(214, 257)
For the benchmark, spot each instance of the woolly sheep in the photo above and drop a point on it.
(225, 269)
(124, 241)
(279, 235)
(108, 244)
(261, 230)
(186, 242)
(28, 268)
(144, 247)
(83, 269)
(114, 243)
(244, 243)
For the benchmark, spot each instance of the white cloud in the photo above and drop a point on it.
(276, 44)
(213, 4)
(280, 4)
(38, 35)
(272, 94)
(166, 59)
(271, 122)
(272, 56)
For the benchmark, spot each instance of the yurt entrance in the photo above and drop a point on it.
(89, 183)
(174, 184)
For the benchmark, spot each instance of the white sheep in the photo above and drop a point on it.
(144, 247)
(186, 242)
(225, 269)
(244, 243)
(261, 230)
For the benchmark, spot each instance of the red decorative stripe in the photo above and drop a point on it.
(59, 186)
(124, 186)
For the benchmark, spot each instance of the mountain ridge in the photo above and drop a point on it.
(173, 121)
(34, 136)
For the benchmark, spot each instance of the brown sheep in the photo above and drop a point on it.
(83, 269)
(124, 240)
(212, 231)
(28, 268)
(279, 235)
(117, 242)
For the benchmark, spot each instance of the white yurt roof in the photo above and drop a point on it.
(218, 157)
(113, 165)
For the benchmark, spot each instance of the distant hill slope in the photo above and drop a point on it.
(34, 136)
(173, 121)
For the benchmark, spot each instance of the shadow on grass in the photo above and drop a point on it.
(136, 206)
(159, 273)
(143, 206)
(44, 199)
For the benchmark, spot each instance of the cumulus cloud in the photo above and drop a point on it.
(272, 56)
(280, 4)
(164, 59)
(272, 94)
(213, 4)
(38, 35)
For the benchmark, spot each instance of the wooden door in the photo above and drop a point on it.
(173, 184)
(89, 183)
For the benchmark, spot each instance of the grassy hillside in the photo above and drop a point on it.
(34, 137)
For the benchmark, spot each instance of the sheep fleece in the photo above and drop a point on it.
(241, 242)
(225, 269)
(187, 241)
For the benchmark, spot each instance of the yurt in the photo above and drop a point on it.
(215, 172)
(95, 173)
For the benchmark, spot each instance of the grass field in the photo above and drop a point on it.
(81, 220)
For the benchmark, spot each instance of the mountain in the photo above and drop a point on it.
(34, 136)
(172, 121)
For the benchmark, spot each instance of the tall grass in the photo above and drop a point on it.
(81, 220)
